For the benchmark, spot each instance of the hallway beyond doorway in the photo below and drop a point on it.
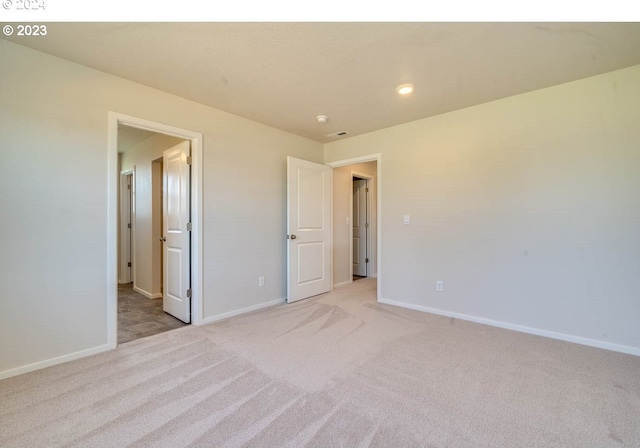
(139, 316)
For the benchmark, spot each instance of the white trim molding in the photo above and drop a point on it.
(347, 283)
(54, 361)
(520, 328)
(147, 294)
(248, 309)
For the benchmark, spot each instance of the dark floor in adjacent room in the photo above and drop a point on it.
(139, 316)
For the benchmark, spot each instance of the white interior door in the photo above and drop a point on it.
(176, 260)
(308, 228)
(360, 227)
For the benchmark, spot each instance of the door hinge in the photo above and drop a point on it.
(128, 225)
(366, 260)
(189, 227)
(366, 190)
(188, 160)
(128, 187)
(189, 292)
(129, 264)
(366, 225)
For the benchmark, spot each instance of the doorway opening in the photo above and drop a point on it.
(144, 307)
(360, 226)
(150, 162)
(357, 236)
(125, 235)
(317, 262)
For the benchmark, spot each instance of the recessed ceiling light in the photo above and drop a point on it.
(404, 89)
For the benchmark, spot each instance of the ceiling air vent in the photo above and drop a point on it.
(338, 134)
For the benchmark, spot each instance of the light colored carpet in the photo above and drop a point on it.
(338, 370)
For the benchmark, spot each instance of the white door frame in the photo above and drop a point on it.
(368, 242)
(127, 245)
(362, 159)
(196, 140)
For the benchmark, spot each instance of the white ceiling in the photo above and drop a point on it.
(285, 74)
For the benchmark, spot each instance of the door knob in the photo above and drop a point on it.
(293, 237)
(162, 238)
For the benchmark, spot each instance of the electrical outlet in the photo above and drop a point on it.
(261, 281)
(440, 286)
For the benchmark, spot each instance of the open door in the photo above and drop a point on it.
(176, 260)
(360, 227)
(308, 229)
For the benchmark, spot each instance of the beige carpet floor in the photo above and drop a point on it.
(338, 370)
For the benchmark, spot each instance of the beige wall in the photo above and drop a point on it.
(53, 178)
(527, 208)
(342, 194)
(147, 213)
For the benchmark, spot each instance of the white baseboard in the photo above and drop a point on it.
(54, 361)
(348, 282)
(217, 317)
(521, 328)
(147, 294)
